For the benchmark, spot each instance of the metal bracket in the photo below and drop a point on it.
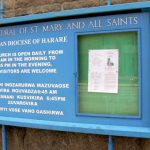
(2, 9)
(110, 143)
(4, 138)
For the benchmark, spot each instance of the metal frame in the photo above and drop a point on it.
(139, 75)
(80, 127)
(2, 9)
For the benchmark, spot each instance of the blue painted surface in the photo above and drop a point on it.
(142, 132)
(108, 2)
(66, 65)
(2, 9)
(110, 143)
(4, 138)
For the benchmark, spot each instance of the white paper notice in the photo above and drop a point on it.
(103, 71)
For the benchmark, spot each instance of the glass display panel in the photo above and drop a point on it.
(123, 98)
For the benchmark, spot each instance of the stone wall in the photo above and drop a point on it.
(24, 7)
(32, 139)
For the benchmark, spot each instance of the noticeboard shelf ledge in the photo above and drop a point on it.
(77, 12)
(139, 132)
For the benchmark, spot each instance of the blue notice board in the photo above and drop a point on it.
(39, 75)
